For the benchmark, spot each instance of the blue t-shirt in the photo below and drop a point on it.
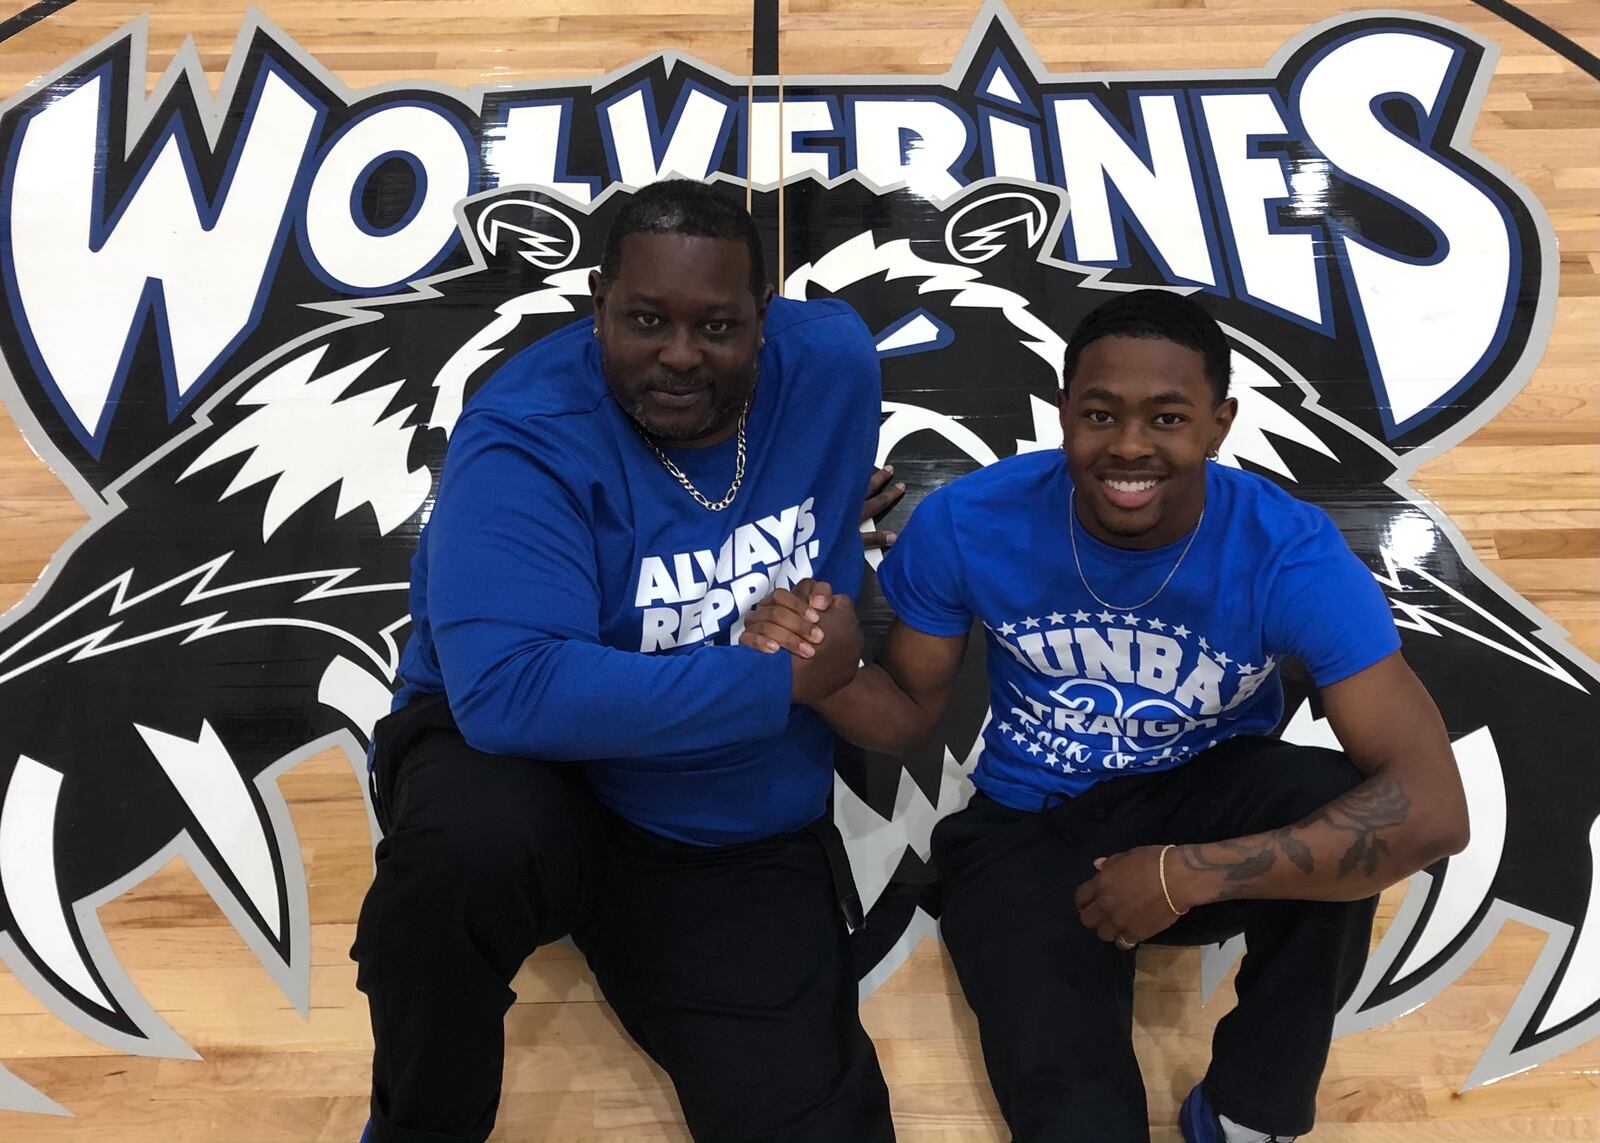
(576, 604)
(1080, 692)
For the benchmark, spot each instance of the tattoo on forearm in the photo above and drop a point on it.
(1295, 850)
(1242, 860)
(1374, 805)
(1370, 808)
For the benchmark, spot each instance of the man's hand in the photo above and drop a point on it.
(789, 620)
(1124, 899)
(881, 496)
(835, 656)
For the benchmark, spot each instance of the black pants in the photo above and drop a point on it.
(730, 966)
(1055, 1003)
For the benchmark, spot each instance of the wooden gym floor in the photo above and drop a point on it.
(1525, 489)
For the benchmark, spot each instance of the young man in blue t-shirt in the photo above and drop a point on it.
(1137, 602)
(580, 746)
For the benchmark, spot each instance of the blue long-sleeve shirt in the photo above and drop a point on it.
(574, 603)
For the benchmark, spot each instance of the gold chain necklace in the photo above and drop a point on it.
(688, 485)
(1072, 532)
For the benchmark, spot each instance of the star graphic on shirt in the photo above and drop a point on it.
(1033, 748)
(1267, 666)
(1105, 617)
(1056, 618)
(1005, 728)
(1018, 739)
(1080, 616)
(1246, 669)
(1030, 622)
(1131, 620)
(1181, 631)
(1223, 660)
(1053, 760)
(1008, 628)
(1204, 646)
(1155, 624)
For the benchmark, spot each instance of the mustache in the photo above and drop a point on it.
(677, 383)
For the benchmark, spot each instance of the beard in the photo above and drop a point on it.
(721, 412)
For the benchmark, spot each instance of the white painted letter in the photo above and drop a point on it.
(1162, 196)
(911, 141)
(81, 300)
(1430, 324)
(1278, 268)
(357, 258)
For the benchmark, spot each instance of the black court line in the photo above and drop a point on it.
(1545, 34)
(764, 39)
(30, 16)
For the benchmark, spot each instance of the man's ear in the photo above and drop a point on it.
(763, 301)
(1222, 418)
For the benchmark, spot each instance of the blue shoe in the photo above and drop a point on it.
(1198, 1122)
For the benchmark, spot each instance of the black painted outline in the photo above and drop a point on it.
(1545, 34)
(30, 16)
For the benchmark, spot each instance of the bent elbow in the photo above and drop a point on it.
(1455, 836)
(508, 710)
(484, 717)
(485, 732)
(1453, 832)
(1443, 838)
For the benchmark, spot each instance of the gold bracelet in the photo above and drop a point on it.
(1161, 866)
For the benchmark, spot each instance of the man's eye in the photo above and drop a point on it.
(719, 327)
(1171, 420)
(647, 321)
(1097, 417)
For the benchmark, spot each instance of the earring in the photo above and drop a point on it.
(596, 332)
(1212, 455)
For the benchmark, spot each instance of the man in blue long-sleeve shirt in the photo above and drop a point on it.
(580, 746)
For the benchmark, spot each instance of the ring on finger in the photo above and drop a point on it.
(1125, 944)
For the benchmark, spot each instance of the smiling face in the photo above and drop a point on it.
(679, 335)
(1138, 418)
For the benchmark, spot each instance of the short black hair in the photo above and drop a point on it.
(1173, 317)
(688, 207)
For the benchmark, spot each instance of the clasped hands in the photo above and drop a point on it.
(814, 625)
(817, 627)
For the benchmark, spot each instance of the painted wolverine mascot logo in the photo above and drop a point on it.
(258, 438)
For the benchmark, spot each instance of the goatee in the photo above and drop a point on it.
(721, 413)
